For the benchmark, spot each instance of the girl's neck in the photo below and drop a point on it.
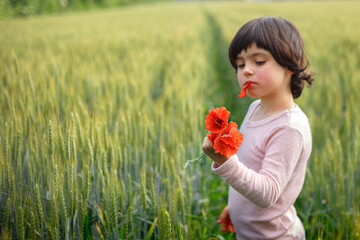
(269, 107)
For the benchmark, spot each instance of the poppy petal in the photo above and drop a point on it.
(228, 144)
(212, 137)
(217, 119)
(243, 90)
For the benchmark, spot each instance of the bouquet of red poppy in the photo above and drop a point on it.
(224, 137)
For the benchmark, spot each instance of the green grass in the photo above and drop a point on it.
(24, 8)
(100, 110)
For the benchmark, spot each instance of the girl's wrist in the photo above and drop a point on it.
(220, 160)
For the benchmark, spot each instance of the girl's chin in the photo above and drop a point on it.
(251, 94)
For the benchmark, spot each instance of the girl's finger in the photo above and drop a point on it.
(224, 227)
(231, 228)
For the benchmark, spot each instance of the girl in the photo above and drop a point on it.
(267, 173)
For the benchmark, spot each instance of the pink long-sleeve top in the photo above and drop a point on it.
(266, 175)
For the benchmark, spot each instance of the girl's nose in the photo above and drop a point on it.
(248, 71)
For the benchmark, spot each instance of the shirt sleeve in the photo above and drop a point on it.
(282, 151)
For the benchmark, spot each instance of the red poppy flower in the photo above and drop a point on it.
(229, 141)
(243, 90)
(217, 119)
(225, 138)
(213, 136)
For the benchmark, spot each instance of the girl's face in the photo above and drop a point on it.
(268, 79)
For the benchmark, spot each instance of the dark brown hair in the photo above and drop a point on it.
(283, 40)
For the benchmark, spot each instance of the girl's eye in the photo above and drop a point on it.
(259, 63)
(241, 65)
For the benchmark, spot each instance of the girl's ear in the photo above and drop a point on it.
(289, 72)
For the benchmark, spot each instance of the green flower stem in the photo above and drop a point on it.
(191, 161)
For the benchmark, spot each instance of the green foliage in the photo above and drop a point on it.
(100, 111)
(16, 8)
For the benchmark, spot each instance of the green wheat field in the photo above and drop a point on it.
(100, 110)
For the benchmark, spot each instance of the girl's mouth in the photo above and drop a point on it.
(243, 90)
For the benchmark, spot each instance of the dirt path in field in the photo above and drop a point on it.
(224, 74)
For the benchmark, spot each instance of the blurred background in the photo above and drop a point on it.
(103, 101)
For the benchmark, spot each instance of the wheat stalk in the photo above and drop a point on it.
(61, 201)
(113, 210)
(51, 144)
(82, 213)
(165, 224)
(143, 194)
(38, 205)
(20, 228)
(54, 218)
(6, 214)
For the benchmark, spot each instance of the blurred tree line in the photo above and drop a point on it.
(11, 8)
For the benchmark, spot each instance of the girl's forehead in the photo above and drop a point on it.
(253, 49)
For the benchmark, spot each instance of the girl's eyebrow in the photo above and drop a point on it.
(252, 55)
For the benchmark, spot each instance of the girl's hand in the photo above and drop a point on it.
(225, 221)
(209, 150)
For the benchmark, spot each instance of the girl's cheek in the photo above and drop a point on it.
(239, 77)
